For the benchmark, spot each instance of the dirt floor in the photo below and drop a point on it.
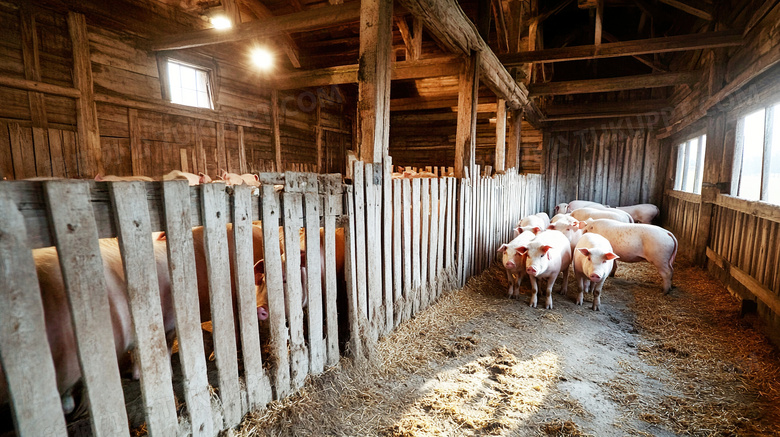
(477, 363)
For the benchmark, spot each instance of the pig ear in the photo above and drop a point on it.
(161, 237)
(584, 251)
(522, 250)
(519, 230)
(610, 256)
(551, 226)
(582, 225)
(259, 271)
(545, 248)
(222, 173)
(98, 177)
(257, 178)
(536, 230)
(502, 248)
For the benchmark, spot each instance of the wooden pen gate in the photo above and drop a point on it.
(407, 241)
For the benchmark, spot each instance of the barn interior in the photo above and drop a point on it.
(674, 103)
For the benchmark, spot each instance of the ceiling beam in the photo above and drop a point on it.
(446, 20)
(615, 83)
(288, 44)
(577, 109)
(657, 66)
(451, 103)
(693, 7)
(677, 43)
(342, 74)
(296, 22)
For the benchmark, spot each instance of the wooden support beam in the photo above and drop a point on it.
(376, 35)
(277, 133)
(726, 38)
(288, 44)
(615, 83)
(319, 139)
(759, 14)
(422, 104)
(447, 22)
(309, 19)
(713, 155)
(499, 160)
(342, 74)
(652, 63)
(515, 140)
(91, 162)
(577, 110)
(466, 134)
(417, 36)
(693, 7)
(598, 26)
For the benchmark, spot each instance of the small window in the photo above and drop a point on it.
(690, 165)
(189, 85)
(757, 156)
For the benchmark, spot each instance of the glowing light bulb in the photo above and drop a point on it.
(262, 58)
(221, 22)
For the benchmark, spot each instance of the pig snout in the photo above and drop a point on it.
(531, 270)
(262, 313)
(510, 265)
(595, 277)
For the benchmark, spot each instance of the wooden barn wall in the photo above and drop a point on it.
(140, 133)
(614, 167)
(428, 139)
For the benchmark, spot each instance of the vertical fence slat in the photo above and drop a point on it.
(131, 214)
(416, 261)
(274, 283)
(408, 264)
(440, 215)
(452, 189)
(373, 251)
(359, 233)
(356, 313)
(292, 210)
(433, 282)
(333, 206)
(76, 236)
(181, 268)
(383, 215)
(314, 275)
(425, 222)
(258, 385)
(218, 268)
(397, 248)
(32, 388)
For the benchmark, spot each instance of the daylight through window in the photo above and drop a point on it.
(189, 85)
(690, 165)
(757, 156)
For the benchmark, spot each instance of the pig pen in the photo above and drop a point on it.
(477, 363)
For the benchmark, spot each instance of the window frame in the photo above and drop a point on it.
(684, 153)
(207, 66)
(766, 151)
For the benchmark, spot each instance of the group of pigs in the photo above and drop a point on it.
(192, 178)
(592, 237)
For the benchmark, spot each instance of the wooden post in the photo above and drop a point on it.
(500, 161)
(465, 138)
(513, 147)
(376, 18)
(710, 188)
(318, 131)
(276, 130)
(32, 71)
(242, 163)
(86, 114)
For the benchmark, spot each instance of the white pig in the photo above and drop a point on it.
(593, 260)
(514, 261)
(547, 255)
(568, 226)
(642, 213)
(532, 222)
(596, 213)
(640, 242)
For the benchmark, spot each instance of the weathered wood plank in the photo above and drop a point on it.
(274, 282)
(425, 245)
(373, 251)
(76, 237)
(408, 264)
(181, 268)
(360, 236)
(397, 251)
(331, 209)
(416, 235)
(213, 204)
(376, 19)
(468, 96)
(317, 352)
(356, 315)
(383, 216)
(32, 389)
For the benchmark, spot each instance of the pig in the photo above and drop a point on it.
(112, 178)
(193, 179)
(547, 254)
(577, 204)
(569, 226)
(640, 242)
(593, 260)
(642, 213)
(534, 223)
(59, 330)
(596, 213)
(514, 262)
(238, 179)
(561, 208)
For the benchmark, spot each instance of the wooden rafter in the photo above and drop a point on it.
(605, 110)
(615, 83)
(412, 37)
(652, 63)
(342, 74)
(696, 41)
(296, 22)
(693, 7)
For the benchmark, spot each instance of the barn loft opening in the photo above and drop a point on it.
(430, 149)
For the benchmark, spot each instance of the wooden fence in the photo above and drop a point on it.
(407, 241)
(682, 218)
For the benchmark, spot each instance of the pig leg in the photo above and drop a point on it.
(548, 293)
(666, 274)
(534, 290)
(582, 281)
(597, 294)
(519, 281)
(614, 270)
(565, 286)
(509, 277)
